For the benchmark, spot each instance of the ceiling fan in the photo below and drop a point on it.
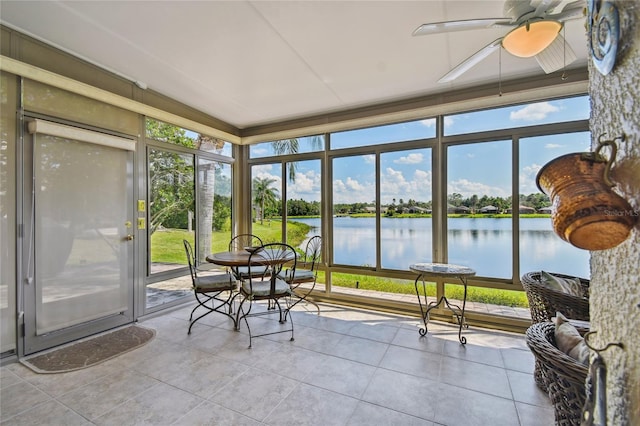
(536, 32)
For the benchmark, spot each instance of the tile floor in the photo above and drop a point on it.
(345, 367)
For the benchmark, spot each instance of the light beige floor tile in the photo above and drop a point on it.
(412, 361)
(374, 331)
(61, 383)
(291, 361)
(211, 414)
(19, 397)
(342, 376)
(213, 339)
(345, 366)
(238, 349)
(321, 408)
(47, 413)
(518, 359)
(206, 376)
(368, 414)
(458, 406)
(160, 405)
(170, 362)
(473, 352)
(315, 339)
(410, 338)
(524, 389)
(474, 376)
(535, 416)
(405, 393)
(8, 378)
(255, 393)
(360, 350)
(102, 395)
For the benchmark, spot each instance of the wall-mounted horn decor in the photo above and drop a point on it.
(586, 212)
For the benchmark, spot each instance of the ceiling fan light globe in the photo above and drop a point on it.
(532, 38)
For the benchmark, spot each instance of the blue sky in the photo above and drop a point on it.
(481, 169)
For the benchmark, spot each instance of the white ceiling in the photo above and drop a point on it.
(257, 62)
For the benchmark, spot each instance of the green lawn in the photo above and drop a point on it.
(168, 248)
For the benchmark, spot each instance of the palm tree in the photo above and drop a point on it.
(264, 194)
(292, 146)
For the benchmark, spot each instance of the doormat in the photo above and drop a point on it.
(91, 351)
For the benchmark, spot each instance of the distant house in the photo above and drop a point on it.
(524, 209)
(416, 209)
(458, 209)
(545, 210)
(489, 210)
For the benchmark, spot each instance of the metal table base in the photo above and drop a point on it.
(443, 270)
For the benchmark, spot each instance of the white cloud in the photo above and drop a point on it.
(395, 185)
(413, 158)
(429, 122)
(352, 191)
(370, 159)
(448, 121)
(306, 187)
(528, 179)
(534, 112)
(553, 146)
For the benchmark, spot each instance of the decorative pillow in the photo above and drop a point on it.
(570, 286)
(570, 341)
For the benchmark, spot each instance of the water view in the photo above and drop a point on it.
(484, 244)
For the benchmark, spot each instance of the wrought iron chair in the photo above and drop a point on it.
(209, 289)
(306, 272)
(239, 242)
(563, 376)
(257, 287)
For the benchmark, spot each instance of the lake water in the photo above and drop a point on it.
(484, 244)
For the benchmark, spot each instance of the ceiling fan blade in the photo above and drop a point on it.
(463, 25)
(556, 56)
(541, 6)
(572, 13)
(471, 61)
(560, 6)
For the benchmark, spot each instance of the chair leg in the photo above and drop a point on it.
(204, 298)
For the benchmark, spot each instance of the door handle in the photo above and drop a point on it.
(129, 237)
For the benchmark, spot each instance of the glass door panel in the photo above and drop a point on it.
(81, 265)
(171, 208)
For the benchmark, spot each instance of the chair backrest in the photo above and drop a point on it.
(274, 256)
(191, 259)
(313, 252)
(239, 242)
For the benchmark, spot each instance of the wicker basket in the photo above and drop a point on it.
(564, 377)
(545, 302)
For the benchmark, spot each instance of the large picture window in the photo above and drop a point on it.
(413, 192)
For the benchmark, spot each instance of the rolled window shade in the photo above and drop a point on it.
(69, 132)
